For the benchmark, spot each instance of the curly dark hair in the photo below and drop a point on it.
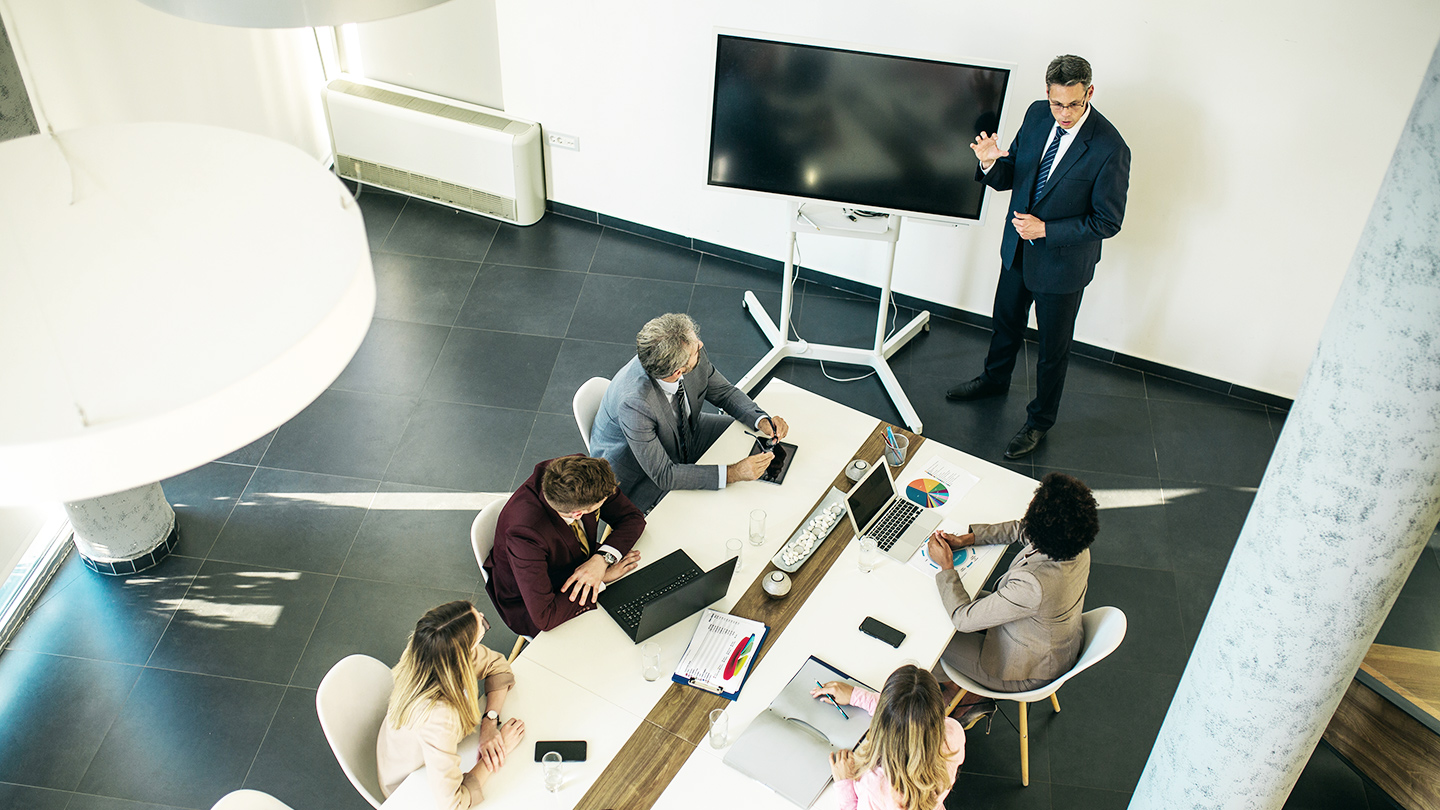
(1063, 518)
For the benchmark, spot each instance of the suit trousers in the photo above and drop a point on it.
(963, 654)
(1055, 316)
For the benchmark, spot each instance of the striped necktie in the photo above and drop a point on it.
(579, 528)
(682, 424)
(1046, 163)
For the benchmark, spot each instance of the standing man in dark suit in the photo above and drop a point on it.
(1069, 170)
(549, 564)
(650, 426)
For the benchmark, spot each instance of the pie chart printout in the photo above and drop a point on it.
(927, 492)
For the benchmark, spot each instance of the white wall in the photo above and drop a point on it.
(451, 50)
(1260, 133)
(112, 61)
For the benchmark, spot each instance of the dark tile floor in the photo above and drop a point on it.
(334, 533)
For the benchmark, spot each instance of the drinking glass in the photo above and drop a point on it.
(719, 726)
(554, 771)
(757, 527)
(869, 554)
(650, 660)
(733, 547)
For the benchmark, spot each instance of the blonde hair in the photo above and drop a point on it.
(438, 666)
(907, 739)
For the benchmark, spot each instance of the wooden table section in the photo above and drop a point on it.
(680, 721)
(1388, 724)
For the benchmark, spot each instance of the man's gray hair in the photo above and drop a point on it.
(664, 343)
(1068, 70)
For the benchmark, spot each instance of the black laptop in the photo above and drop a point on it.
(664, 592)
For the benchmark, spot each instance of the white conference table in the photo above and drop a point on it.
(582, 680)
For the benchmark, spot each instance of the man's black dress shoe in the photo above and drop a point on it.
(1024, 443)
(978, 388)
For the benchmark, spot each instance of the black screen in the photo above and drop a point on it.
(867, 497)
(864, 129)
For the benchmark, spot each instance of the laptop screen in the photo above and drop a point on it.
(870, 496)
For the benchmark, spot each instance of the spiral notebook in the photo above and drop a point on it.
(787, 747)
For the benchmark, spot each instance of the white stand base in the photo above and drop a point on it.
(875, 358)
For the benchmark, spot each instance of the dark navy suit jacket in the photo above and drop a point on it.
(1083, 201)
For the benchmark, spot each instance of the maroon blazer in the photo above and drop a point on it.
(536, 551)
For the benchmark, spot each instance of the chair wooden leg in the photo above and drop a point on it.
(519, 645)
(1055, 701)
(956, 702)
(1024, 746)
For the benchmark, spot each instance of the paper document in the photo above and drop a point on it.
(957, 481)
(963, 558)
(721, 653)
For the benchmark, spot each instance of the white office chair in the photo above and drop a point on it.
(351, 703)
(587, 403)
(1104, 630)
(249, 800)
(482, 540)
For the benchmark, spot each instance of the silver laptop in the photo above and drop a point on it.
(897, 524)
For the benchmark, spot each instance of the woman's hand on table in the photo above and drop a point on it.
(842, 765)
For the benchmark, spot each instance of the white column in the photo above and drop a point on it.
(1347, 503)
(124, 532)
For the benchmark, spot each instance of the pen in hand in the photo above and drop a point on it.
(832, 702)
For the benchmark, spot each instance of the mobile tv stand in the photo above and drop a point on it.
(830, 220)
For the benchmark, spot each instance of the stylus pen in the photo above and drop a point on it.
(801, 214)
(832, 702)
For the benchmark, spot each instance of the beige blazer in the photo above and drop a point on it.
(1032, 618)
(432, 740)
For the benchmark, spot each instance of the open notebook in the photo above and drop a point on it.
(787, 748)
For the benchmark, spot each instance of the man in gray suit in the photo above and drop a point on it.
(650, 426)
(1027, 632)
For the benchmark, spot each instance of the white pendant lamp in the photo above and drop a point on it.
(288, 13)
(168, 294)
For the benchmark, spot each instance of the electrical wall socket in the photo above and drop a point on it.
(560, 140)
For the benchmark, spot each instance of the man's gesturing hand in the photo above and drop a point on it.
(987, 149)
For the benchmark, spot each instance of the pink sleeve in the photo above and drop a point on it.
(955, 742)
(864, 699)
(848, 798)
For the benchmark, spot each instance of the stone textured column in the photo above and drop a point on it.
(124, 532)
(1347, 503)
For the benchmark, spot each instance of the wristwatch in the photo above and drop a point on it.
(493, 715)
(610, 557)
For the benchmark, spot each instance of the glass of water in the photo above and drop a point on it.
(719, 727)
(650, 660)
(554, 771)
(757, 527)
(733, 547)
(869, 554)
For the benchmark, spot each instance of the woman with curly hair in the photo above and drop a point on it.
(1027, 632)
(911, 752)
(435, 704)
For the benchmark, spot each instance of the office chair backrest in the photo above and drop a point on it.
(351, 703)
(587, 403)
(1104, 630)
(482, 532)
(249, 800)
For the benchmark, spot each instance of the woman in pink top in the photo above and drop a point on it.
(912, 751)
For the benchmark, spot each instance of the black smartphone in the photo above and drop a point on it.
(570, 750)
(882, 631)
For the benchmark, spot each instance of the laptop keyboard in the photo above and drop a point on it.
(893, 522)
(629, 613)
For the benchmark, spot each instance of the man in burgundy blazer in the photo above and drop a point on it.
(540, 573)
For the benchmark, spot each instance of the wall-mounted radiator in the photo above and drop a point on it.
(435, 148)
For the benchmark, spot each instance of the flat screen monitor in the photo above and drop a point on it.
(866, 130)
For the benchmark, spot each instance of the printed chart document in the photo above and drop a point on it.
(721, 653)
(963, 559)
(787, 747)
